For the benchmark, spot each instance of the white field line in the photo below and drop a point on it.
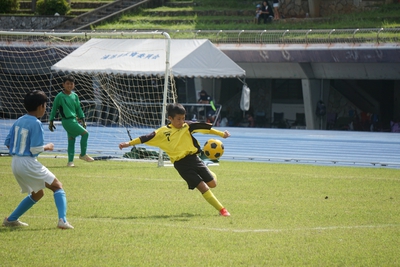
(233, 230)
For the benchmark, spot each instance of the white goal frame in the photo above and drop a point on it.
(22, 38)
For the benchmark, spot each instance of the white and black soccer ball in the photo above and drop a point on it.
(213, 149)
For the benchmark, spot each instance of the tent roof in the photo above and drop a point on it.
(188, 58)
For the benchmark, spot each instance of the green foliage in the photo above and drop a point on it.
(129, 213)
(9, 6)
(50, 7)
(143, 153)
(391, 8)
(199, 17)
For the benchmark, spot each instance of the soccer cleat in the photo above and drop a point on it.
(16, 223)
(70, 164)
(224, 212)
(86, 158)
(64, 225)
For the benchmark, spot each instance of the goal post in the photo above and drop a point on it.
(116, 104)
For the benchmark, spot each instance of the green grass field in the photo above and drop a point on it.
(136, 214)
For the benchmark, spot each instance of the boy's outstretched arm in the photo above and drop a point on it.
(138, 140)
(226, 134)
(123, 144)
(133, 142)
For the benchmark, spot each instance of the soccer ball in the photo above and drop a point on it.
(213, 149)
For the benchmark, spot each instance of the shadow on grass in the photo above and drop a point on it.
(177, 217)
(27, 228)
(11, 229)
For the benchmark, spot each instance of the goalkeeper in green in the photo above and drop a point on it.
(69, 107)
(177, 141)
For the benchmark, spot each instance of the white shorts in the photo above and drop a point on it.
(31, 175)
(275, 5)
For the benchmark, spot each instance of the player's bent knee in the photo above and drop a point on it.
(37, 196)
(214, 176)
(212, 184)
(55, 185)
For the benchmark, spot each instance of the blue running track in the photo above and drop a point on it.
(316, 147)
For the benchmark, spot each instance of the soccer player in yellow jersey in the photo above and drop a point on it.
(177, 141)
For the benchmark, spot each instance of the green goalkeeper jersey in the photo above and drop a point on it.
(177, 143)
(69, 106)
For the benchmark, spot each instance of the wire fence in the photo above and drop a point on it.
(319, 36)
(381, 35)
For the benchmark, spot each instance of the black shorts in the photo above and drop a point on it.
(193, 170)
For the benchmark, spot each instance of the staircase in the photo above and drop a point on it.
(105, 12)
(371, 4)
(191, 13)
(357, 95)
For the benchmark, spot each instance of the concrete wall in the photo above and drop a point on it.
(8, 22)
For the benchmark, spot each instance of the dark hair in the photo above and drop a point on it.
(174, 109)
(34, 99)
(69, 78)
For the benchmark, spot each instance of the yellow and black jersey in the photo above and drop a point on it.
(177, 143)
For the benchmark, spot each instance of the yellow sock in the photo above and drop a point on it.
(209, 196)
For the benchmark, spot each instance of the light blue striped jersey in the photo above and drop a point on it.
(26, 137)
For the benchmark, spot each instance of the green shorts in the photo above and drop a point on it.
(72, 127)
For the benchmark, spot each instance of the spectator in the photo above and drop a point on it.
(276, 11)
(395, 126)
(224, 122)
(265, 13)
(250, 120)
(258, 12)
(209, 110)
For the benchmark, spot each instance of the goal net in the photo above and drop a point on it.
(117, 105)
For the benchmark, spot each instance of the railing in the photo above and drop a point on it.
(381, 35)
(197, 112)
(325, 36)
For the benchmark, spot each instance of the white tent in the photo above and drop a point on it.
(188, 58)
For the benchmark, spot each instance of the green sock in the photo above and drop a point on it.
(84, 140)
(71, 149)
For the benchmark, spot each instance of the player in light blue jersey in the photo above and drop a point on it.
(25, 142)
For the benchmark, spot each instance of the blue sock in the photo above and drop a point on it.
(25, 205)
(61, 203)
